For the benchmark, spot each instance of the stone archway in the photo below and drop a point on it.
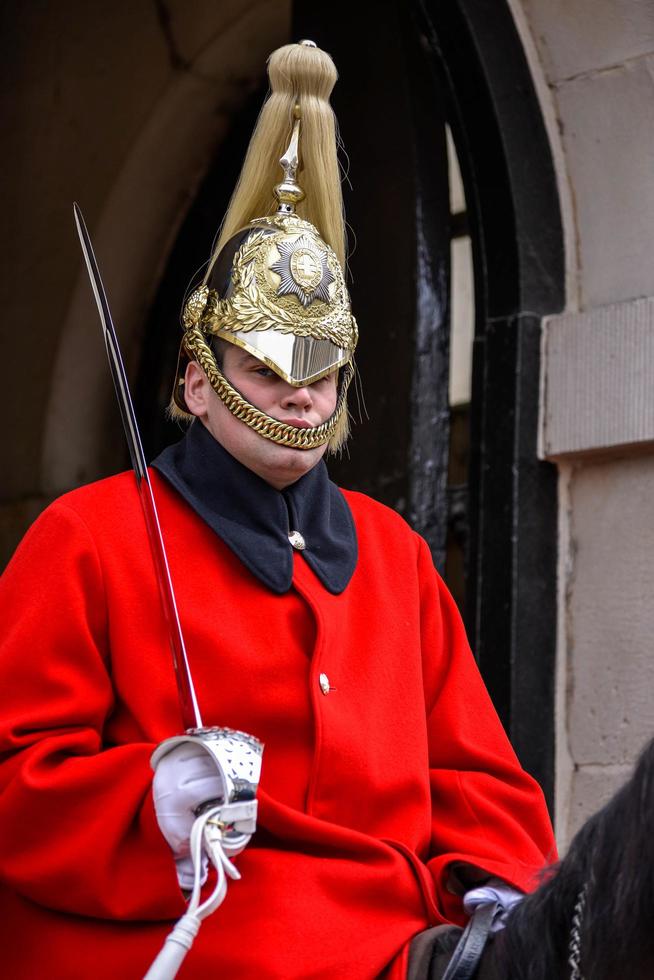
(133, 232)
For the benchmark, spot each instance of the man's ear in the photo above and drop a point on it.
(196, 389)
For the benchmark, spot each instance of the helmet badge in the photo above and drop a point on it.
(303, 271)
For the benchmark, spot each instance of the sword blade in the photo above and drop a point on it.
(185, 689)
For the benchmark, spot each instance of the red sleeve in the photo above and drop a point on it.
(486, 810)
(77, 825)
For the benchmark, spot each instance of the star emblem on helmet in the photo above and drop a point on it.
(303, 270)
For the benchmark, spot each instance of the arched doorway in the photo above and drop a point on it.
(424, 66)
(517, 238)
(417, 67)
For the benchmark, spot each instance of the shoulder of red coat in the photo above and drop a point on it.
(118, 493)
(377, 521)
(110, 503)
(365, 508)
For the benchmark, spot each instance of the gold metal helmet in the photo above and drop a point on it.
(276, 287)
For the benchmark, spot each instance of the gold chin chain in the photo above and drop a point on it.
(268, 427)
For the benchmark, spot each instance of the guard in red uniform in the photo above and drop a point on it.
(314, 620)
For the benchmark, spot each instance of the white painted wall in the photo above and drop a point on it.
(462, 312)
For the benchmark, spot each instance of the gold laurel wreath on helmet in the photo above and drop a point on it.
(254, 304)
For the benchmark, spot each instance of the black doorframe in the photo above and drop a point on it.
(518, 252)
(475, 55)
(391, 113)
(477, 58)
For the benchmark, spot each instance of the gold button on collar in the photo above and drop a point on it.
(297, 541)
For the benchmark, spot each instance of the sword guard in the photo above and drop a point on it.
(237, 756)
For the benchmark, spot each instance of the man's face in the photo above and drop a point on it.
(308, 406)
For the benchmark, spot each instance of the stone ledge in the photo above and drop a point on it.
(598, 381)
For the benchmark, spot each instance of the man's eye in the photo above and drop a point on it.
(264, 372)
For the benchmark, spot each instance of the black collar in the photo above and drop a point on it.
(254, 519)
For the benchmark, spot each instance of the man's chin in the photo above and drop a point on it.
(298, 459)
(285, 464)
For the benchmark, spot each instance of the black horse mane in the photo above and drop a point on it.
(612, 858)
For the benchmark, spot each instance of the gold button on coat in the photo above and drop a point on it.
(325, 686)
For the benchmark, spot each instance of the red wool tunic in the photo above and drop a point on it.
(368, 792)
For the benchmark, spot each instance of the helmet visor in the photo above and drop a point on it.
(298, 360)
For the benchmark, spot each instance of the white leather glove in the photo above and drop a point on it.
(204, 791)
(185, 779)
(495, 890)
